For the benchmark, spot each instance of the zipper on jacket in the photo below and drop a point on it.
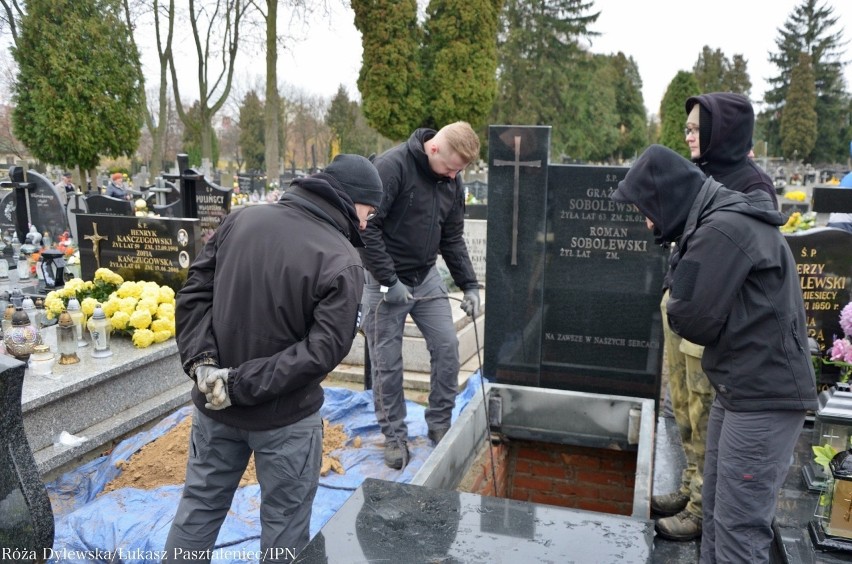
(796, 336)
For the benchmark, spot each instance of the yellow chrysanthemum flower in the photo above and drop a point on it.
(88, 306)
(166, 311)
(128, 305)
(111, 306)
(140, 319)
(160, 336)
(119, 320)
(129, 289)
(143, 338)
(161, 325)
(148, 304)
(167, 295)
(108, 276)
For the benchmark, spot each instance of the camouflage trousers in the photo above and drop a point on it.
(691, 395)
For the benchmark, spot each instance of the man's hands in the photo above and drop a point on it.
(398, 294)
(470, 302)
(213, 383)
(201, 374)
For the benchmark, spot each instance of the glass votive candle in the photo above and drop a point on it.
(41, 361)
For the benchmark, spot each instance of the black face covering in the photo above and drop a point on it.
(663, 185)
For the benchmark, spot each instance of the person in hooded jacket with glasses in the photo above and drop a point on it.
(734, 290)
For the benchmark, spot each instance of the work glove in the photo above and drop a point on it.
(398, 294)
(217, 383)
(470, 302)
(201, 374)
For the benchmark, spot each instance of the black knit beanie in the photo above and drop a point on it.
(358, 177)
(704, 128)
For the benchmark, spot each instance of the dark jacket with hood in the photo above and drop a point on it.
(275, 296)
(726, 127)
(735, 286)
(421, 213)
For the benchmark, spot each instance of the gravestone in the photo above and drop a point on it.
(140, 179)
(824, 261)
(36, 201)
(26, 517)
(577, 275)
(107, 205)
(788, 208)
(478, 189)
(475, 236)
(200, 199)
(76, 205)
(475, 211)
(155, 249)
(827, 199)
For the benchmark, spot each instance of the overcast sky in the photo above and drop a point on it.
(331, 55)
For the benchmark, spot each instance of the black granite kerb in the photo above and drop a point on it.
(391, 522)
(26, 516)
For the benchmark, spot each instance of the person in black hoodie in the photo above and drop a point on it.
(270, 306)
(718, 131)
(735, 291)
(421, 214)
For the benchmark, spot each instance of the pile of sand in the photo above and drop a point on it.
(162, 462)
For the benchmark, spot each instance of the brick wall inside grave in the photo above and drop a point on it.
(568, 476)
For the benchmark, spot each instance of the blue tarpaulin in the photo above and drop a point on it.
(131, 525)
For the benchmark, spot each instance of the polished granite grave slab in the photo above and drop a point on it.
(392, 522)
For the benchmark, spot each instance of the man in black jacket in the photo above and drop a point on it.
(271, 305)
(718, 131)
(421, 214)
(735, 291)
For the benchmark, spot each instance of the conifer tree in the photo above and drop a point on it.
(673, 111)
(799, 117)
(77, 94)
(253, 131)
(391, 76)
(810, 29)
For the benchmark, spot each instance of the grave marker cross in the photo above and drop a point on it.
(517, 163)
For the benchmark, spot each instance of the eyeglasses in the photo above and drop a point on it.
(687, 131)
(372, 214)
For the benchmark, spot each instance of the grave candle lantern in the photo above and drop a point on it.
(832, 427)
(66, 339)
(22, 337)
(77, 317)
(832, 528)
(99, 327)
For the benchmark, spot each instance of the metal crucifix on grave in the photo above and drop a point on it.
(517, 163)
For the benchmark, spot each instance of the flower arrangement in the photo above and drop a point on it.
(143, 310)
(796, 196)
(799, 222)
(841, 349)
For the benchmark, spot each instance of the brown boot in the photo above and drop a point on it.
(681, 527)
(668, 504)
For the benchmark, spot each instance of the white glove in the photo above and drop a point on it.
(217, 383)
(201, 374)
(470, 302)
(398, 294)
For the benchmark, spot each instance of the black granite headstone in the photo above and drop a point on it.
(155, 249)
(475, 211)
(76, 205)
(206, 202)
(827, 199)
(107, 205)
(37, 202)
(581, 285)
(824, 259)
(26, 517)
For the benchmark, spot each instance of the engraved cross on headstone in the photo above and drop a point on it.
(517, 163)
